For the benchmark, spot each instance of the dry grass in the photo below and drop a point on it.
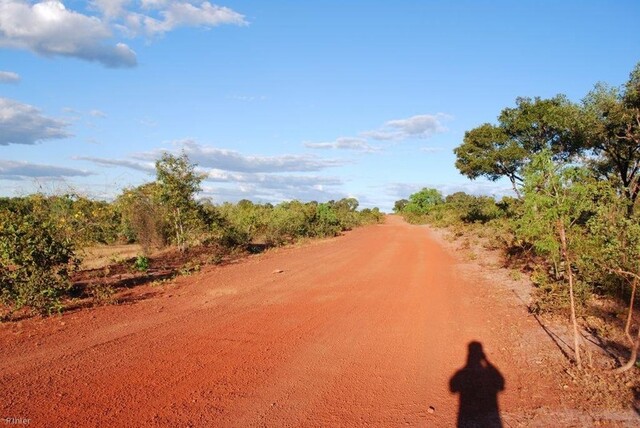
(104, 255)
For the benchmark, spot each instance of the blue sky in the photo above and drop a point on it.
(278, 100)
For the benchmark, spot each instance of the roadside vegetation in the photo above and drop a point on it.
(574, 223)
(43, 238)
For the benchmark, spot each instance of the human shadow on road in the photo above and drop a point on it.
(478, 384)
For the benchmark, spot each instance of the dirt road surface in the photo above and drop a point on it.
(367, 329)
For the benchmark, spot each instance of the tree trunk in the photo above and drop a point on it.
(634, 344)
(567, 261)
(627, 326)
(515, 187)
(634, 354)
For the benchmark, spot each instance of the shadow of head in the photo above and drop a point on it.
(475, 355)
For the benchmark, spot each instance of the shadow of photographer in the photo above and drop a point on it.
(478, 384)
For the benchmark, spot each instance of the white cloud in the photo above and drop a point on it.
(97, 113)
(229, 160)
(11, 170)
(9, 77)
(416, 127)
(431, 149)
(50, 29)
(148, 122)
(271, 180)
(110, 8)
(344, 143)
(237, 176)
(186, 14)
(419, 127)
(154, 17)
(24, 124)
(139, 166)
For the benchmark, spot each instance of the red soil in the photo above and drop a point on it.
(364, 329)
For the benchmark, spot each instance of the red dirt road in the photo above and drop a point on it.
(363, 330)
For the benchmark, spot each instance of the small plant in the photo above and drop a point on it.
(101, 292)
(161, 282)
(215, 259)
(141, 264)
(515, 275)
(116, 259)
(189, 268)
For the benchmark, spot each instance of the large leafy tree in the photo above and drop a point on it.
(612, 124)
(503, 150)
(488, 152)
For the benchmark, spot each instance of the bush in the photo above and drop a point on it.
(142, 219)
(35, 262)
(141, 264)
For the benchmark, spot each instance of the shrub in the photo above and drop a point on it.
(141, 264)
(142, 218)
(35, 262)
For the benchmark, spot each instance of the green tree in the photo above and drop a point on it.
(613, 250)
(503, 150)
(612, 125)
(423, 201)
(178, 182)
(472, 209)
(556, 200)
(399, 205)
(345, 210)
(487, 151)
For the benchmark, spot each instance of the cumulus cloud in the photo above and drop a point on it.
(215, 160)
(25, 124)
(419, 127)
(11, 170)
(232, 175)
(153, 17)
(415, 127)
(184, 13)
(110, 8)
(9, 77)
(229, 160)
(344, 143)
(50, 29)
